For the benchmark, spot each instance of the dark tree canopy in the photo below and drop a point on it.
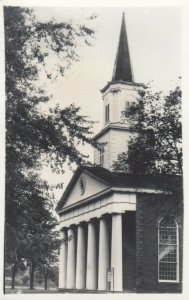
(28, 44)
(33, 137)
(156, 144)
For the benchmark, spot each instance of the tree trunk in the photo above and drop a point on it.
(14, 271)
(31, 275)
(46, 279)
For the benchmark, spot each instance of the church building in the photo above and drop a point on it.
(120, 232)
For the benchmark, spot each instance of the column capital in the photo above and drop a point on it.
(117, 213)
(104, 216)
(101, 217)
(80, 223)
(92, 220)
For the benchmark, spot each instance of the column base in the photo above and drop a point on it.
(84, 291)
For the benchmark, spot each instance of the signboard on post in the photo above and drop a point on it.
(110, 279)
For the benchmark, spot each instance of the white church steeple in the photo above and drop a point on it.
(117, 95)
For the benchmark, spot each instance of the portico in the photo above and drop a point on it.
(88, 269)
(92, 241)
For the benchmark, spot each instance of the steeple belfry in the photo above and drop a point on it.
(122, 67)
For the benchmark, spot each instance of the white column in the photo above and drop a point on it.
(116, 254)
(80, 266)
(103, 262)
(71, 259)
(91, 278)
(63, 260)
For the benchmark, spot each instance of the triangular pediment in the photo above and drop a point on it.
(83, 185)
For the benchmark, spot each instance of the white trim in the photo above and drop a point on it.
(170, 281)
(98, 208)
(85, 200)
(138, 190)
(113, 189)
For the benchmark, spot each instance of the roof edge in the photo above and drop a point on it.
(108, 127)
(109, 83)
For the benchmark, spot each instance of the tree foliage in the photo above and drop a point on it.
(30, 133)
(31, 234)
(33, 137)
(155, 146)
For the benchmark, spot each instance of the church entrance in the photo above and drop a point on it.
(129, 250)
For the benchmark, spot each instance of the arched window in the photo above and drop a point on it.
(168, 250)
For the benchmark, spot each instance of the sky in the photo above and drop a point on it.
(154, 37)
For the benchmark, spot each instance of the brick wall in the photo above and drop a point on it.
(129, 250)
(149, 209)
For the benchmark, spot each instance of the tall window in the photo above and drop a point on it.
(107, 113)
(168, 252)
(102, 157)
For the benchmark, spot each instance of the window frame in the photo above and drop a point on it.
(177, 253)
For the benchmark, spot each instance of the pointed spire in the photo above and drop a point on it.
(122, 66)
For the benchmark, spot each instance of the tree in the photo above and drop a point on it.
(43, 241)
(155, 147)
(33, 137)
(40, 237)
(33, 231)
(27, 45)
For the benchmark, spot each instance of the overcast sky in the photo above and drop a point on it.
(154, 42)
